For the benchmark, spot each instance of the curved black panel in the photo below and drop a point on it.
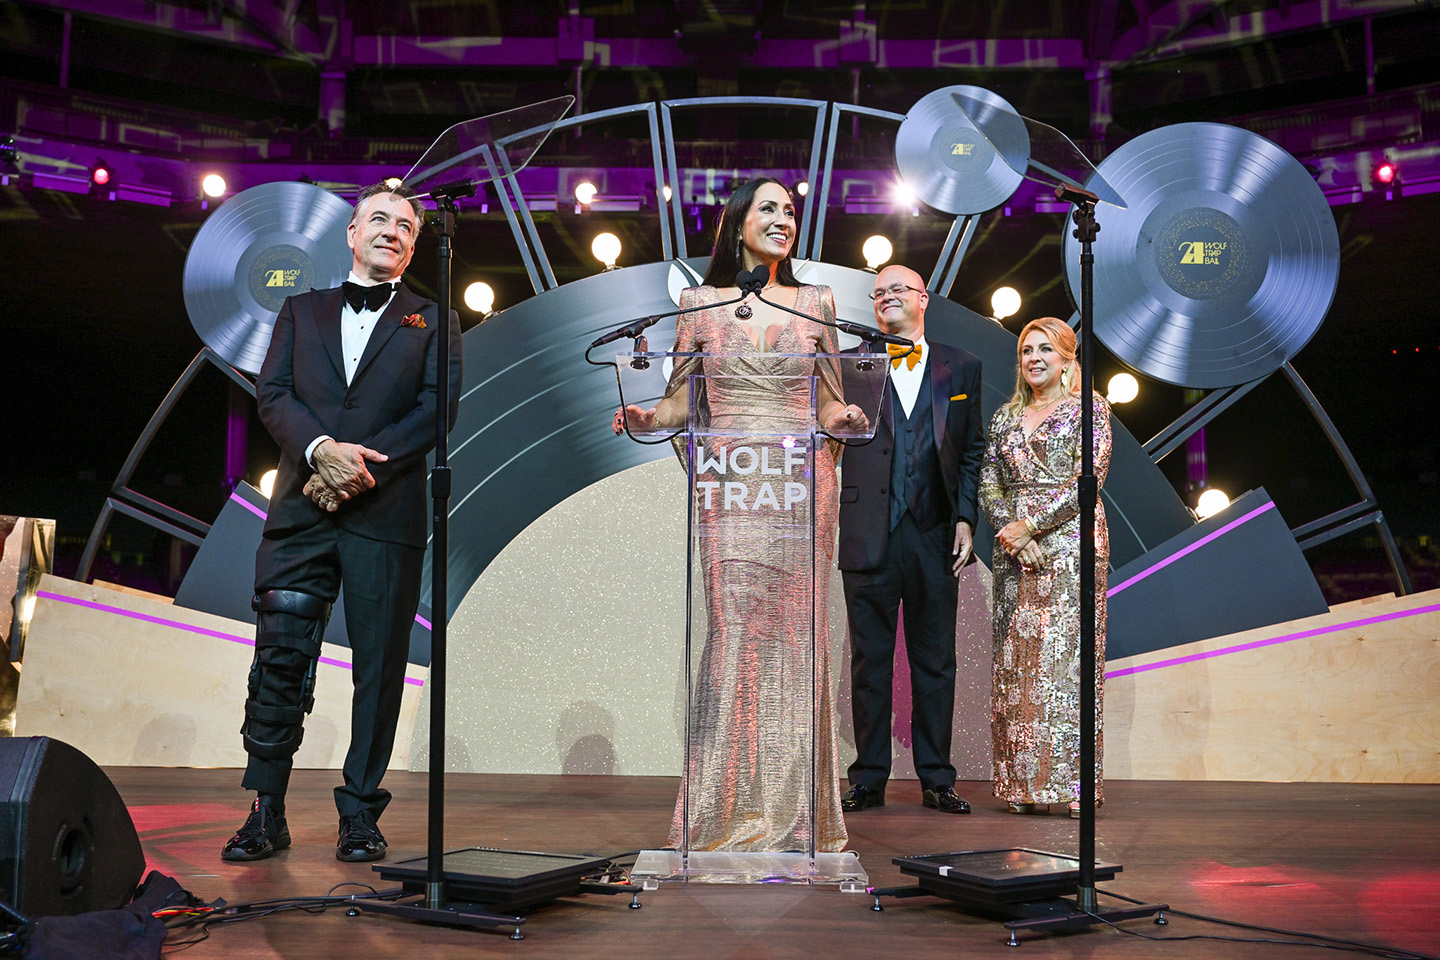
(534, 424)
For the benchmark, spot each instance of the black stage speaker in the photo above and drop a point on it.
(67, 843)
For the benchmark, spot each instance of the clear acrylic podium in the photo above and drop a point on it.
(760, 776)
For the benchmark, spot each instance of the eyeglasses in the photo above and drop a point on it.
(895, 289)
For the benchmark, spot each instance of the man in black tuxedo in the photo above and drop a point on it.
(348, 390)
(907, 512)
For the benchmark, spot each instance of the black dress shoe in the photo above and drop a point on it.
(264, 832)
(861, 797)
(945, 799)
(360, 840)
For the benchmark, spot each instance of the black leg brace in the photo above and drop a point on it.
(282, 676)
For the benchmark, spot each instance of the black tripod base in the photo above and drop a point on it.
(1053, 915)
(1023, 889)
(467, 915)
(1027, 916)
(478, 883)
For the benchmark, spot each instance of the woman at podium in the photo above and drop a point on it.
(1029, 492)
(750, 763)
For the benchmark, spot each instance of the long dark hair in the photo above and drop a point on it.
(725, 261)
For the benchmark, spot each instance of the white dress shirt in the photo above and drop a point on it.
(906, 380)
(355, 329)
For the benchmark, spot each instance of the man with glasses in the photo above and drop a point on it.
(907, 512)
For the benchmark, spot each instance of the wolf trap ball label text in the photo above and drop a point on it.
(716, 490)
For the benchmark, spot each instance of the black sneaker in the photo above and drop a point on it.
(264, 833)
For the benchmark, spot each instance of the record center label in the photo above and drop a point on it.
(1200, 253)
(279, 272)
(961, 148)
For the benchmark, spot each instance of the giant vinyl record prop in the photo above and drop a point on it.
(261, 246)
(1223, 264)
(944, 158)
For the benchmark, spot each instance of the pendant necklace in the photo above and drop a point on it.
(743, 312)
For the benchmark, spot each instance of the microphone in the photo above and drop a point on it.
(753, 281)
(632, 329)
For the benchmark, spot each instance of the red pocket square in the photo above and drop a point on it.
(414, 320)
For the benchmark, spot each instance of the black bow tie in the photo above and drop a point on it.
(361, 297)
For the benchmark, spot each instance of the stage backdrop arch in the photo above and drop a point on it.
(567, 542)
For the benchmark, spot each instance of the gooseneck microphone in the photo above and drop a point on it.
(751, 281)
(868, 334)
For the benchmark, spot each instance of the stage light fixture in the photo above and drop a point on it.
(876, 251)
(213, 185)
(803, 188)
(1385, 172)
(1004, 302)
(480, 297)
(585, 192)
(1211, 502)
(666, 192)
(1122, 388)
(394, 183)
(902, 195)
(606, 248)
(100, 174)
(267, 483)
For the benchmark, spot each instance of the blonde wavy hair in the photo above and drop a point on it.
(1062, 338)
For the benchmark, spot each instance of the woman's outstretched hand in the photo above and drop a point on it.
(642, 421)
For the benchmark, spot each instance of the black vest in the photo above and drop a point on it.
(915, 481)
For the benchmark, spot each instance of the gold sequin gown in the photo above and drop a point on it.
(749, 764)
(1036, 680)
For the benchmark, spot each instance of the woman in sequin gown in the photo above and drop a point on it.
(1030, 494)
(750, 769)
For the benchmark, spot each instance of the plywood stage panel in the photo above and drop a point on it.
(131, 680)
(1352, 695)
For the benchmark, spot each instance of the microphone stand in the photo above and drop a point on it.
(1086, 227)
(436, 907)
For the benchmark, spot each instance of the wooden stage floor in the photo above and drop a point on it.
(1343, 860)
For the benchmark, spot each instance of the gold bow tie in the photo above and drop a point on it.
(897, 351)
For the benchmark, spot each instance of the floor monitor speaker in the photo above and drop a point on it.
(67, 843)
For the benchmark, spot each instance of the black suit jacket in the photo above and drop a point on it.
(389, 407)
(959, 440)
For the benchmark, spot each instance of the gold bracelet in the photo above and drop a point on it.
(1030, 525)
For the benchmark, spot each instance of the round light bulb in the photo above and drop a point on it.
(213, 185)
(606, 248)
(1122, 388)
(267, 483)
(480, 297)
(803, 188)
(1211, 502)
(666, 192)
(877, 250)
(585, 192)
(1004, 302)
